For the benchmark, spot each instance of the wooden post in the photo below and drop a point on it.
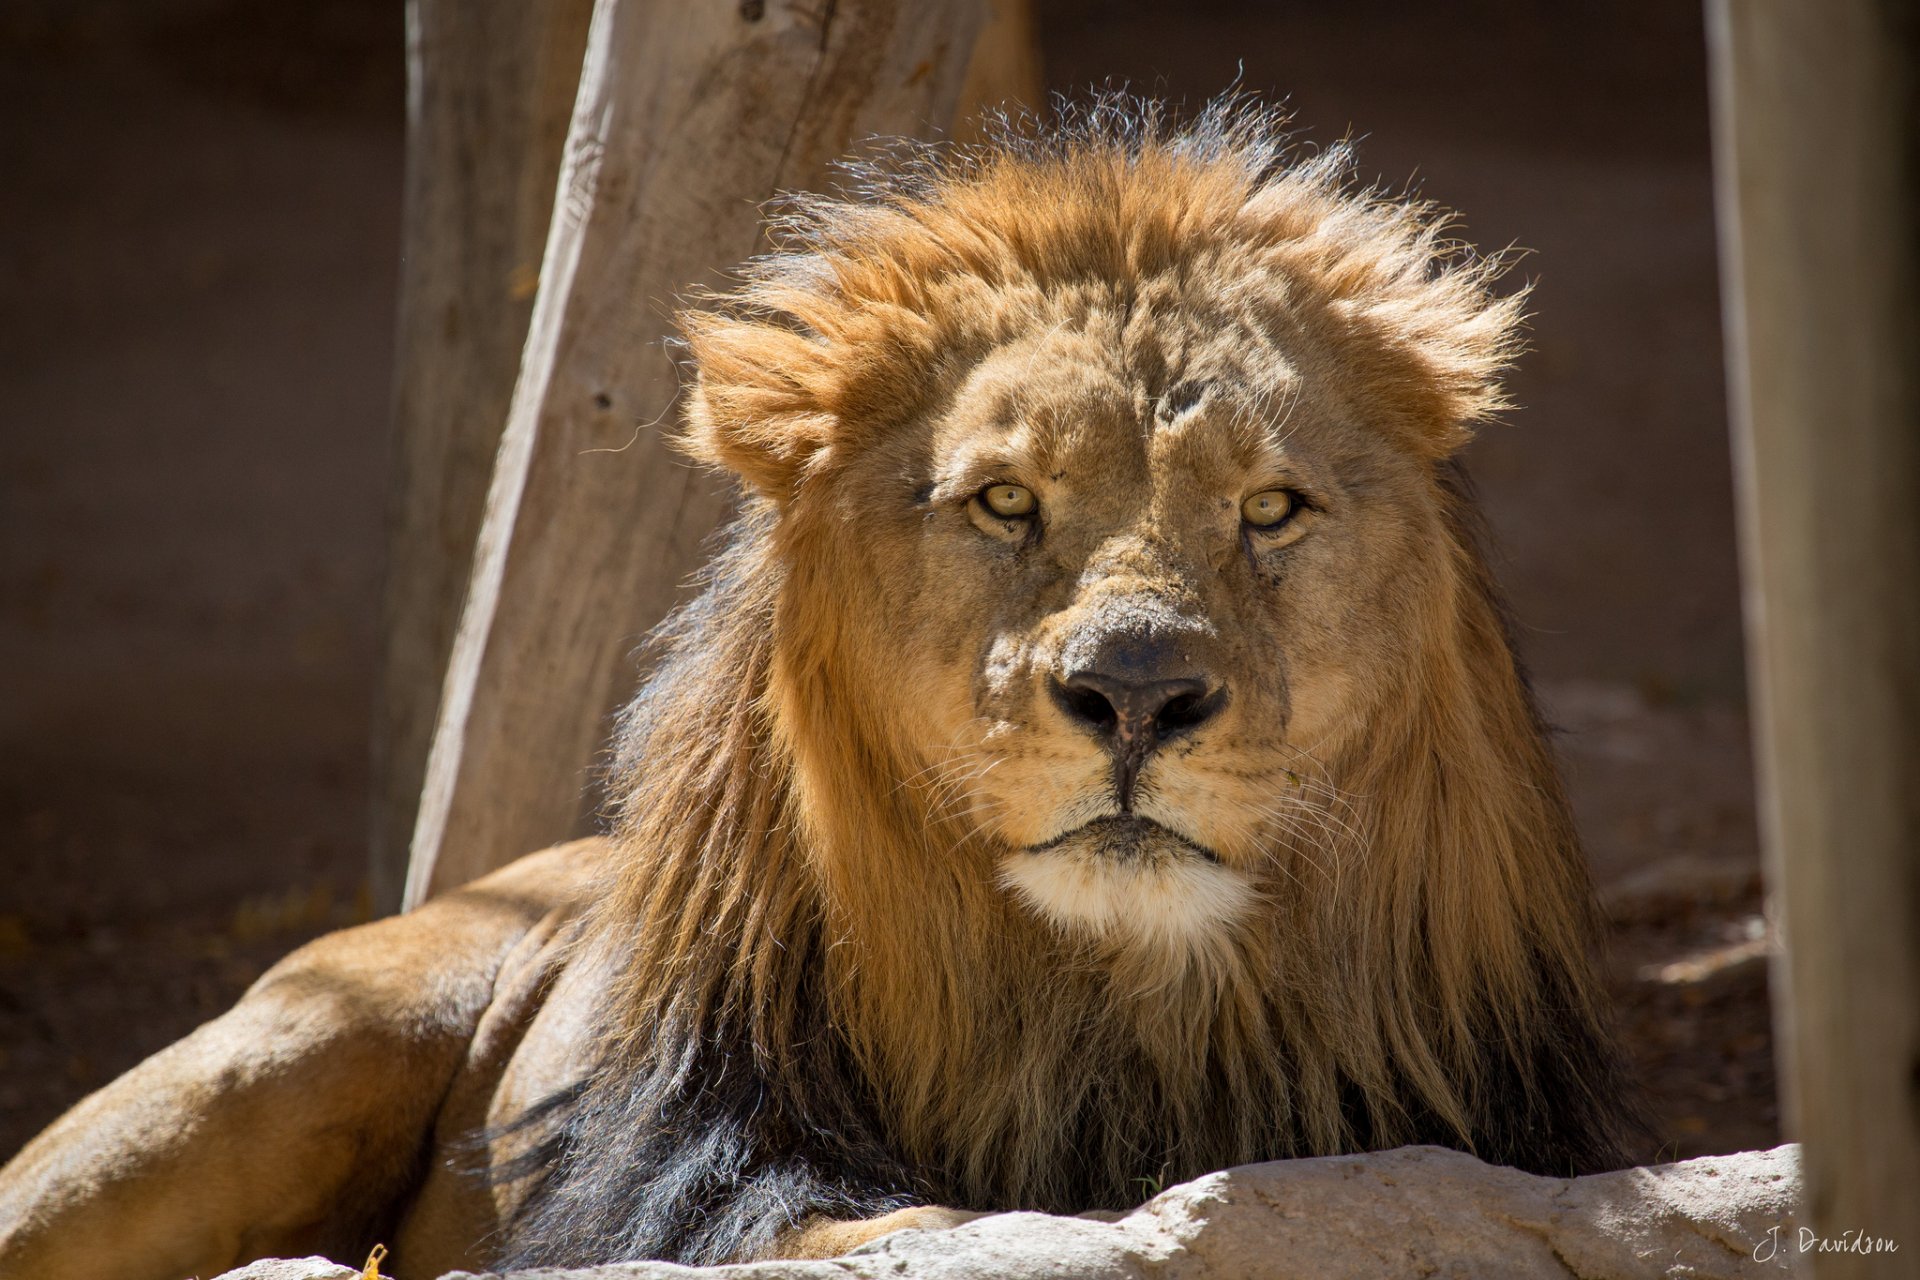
(689, 117)
(491, 85)
(1817, 122)
(1004, 72)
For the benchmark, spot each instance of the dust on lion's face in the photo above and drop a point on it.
(1130, 573)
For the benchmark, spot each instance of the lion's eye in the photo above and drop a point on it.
(1269, 509)
(1009, 501)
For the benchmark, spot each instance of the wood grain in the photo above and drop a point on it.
(690, 116)
(1817, 117)
(491, 90)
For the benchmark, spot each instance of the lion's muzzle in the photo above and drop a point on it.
(1136, 696)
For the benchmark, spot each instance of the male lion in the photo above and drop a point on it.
(1097, 758)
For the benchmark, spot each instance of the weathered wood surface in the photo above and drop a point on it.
(1004, 73)
(690, 116)
(491, 90)
(1818, 150)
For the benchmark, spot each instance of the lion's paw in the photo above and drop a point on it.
(826, 1238)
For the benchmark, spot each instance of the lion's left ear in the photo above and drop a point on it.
(760, 404)
(1439, 352)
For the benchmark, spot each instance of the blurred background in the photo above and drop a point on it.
(199, 242)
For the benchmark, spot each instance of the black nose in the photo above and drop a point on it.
(1132, 717)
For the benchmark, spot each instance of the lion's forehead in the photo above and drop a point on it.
(1075, 407)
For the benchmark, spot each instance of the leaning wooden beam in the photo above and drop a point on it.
(1817, 113)
(690, 116)
(491, 89)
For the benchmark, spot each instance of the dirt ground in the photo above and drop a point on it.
(198, 247)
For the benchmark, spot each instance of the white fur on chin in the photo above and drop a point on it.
(1170, 900)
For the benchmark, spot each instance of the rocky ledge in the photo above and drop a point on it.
(1416, 1212)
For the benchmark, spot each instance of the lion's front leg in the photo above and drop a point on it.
(829, 1238)
(292, 1123)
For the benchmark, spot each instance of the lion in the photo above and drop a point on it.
(1096, 757)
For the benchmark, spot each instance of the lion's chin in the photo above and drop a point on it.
(1131, 880)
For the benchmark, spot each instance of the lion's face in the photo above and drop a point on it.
(1110, 497)
(1134, 580)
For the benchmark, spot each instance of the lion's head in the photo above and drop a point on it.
(1101, 726)
(1110, 480)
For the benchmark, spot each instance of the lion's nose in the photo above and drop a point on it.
(1132, 717)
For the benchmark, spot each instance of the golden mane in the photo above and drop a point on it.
(793, 886)
(943, 249)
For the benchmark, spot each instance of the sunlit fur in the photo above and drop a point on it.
(820, 841)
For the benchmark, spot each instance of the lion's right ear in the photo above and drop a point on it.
(759, 404)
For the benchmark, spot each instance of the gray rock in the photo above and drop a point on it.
(1417, 1212)
(293, 1269)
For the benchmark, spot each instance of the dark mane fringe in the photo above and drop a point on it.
(697, 1154)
